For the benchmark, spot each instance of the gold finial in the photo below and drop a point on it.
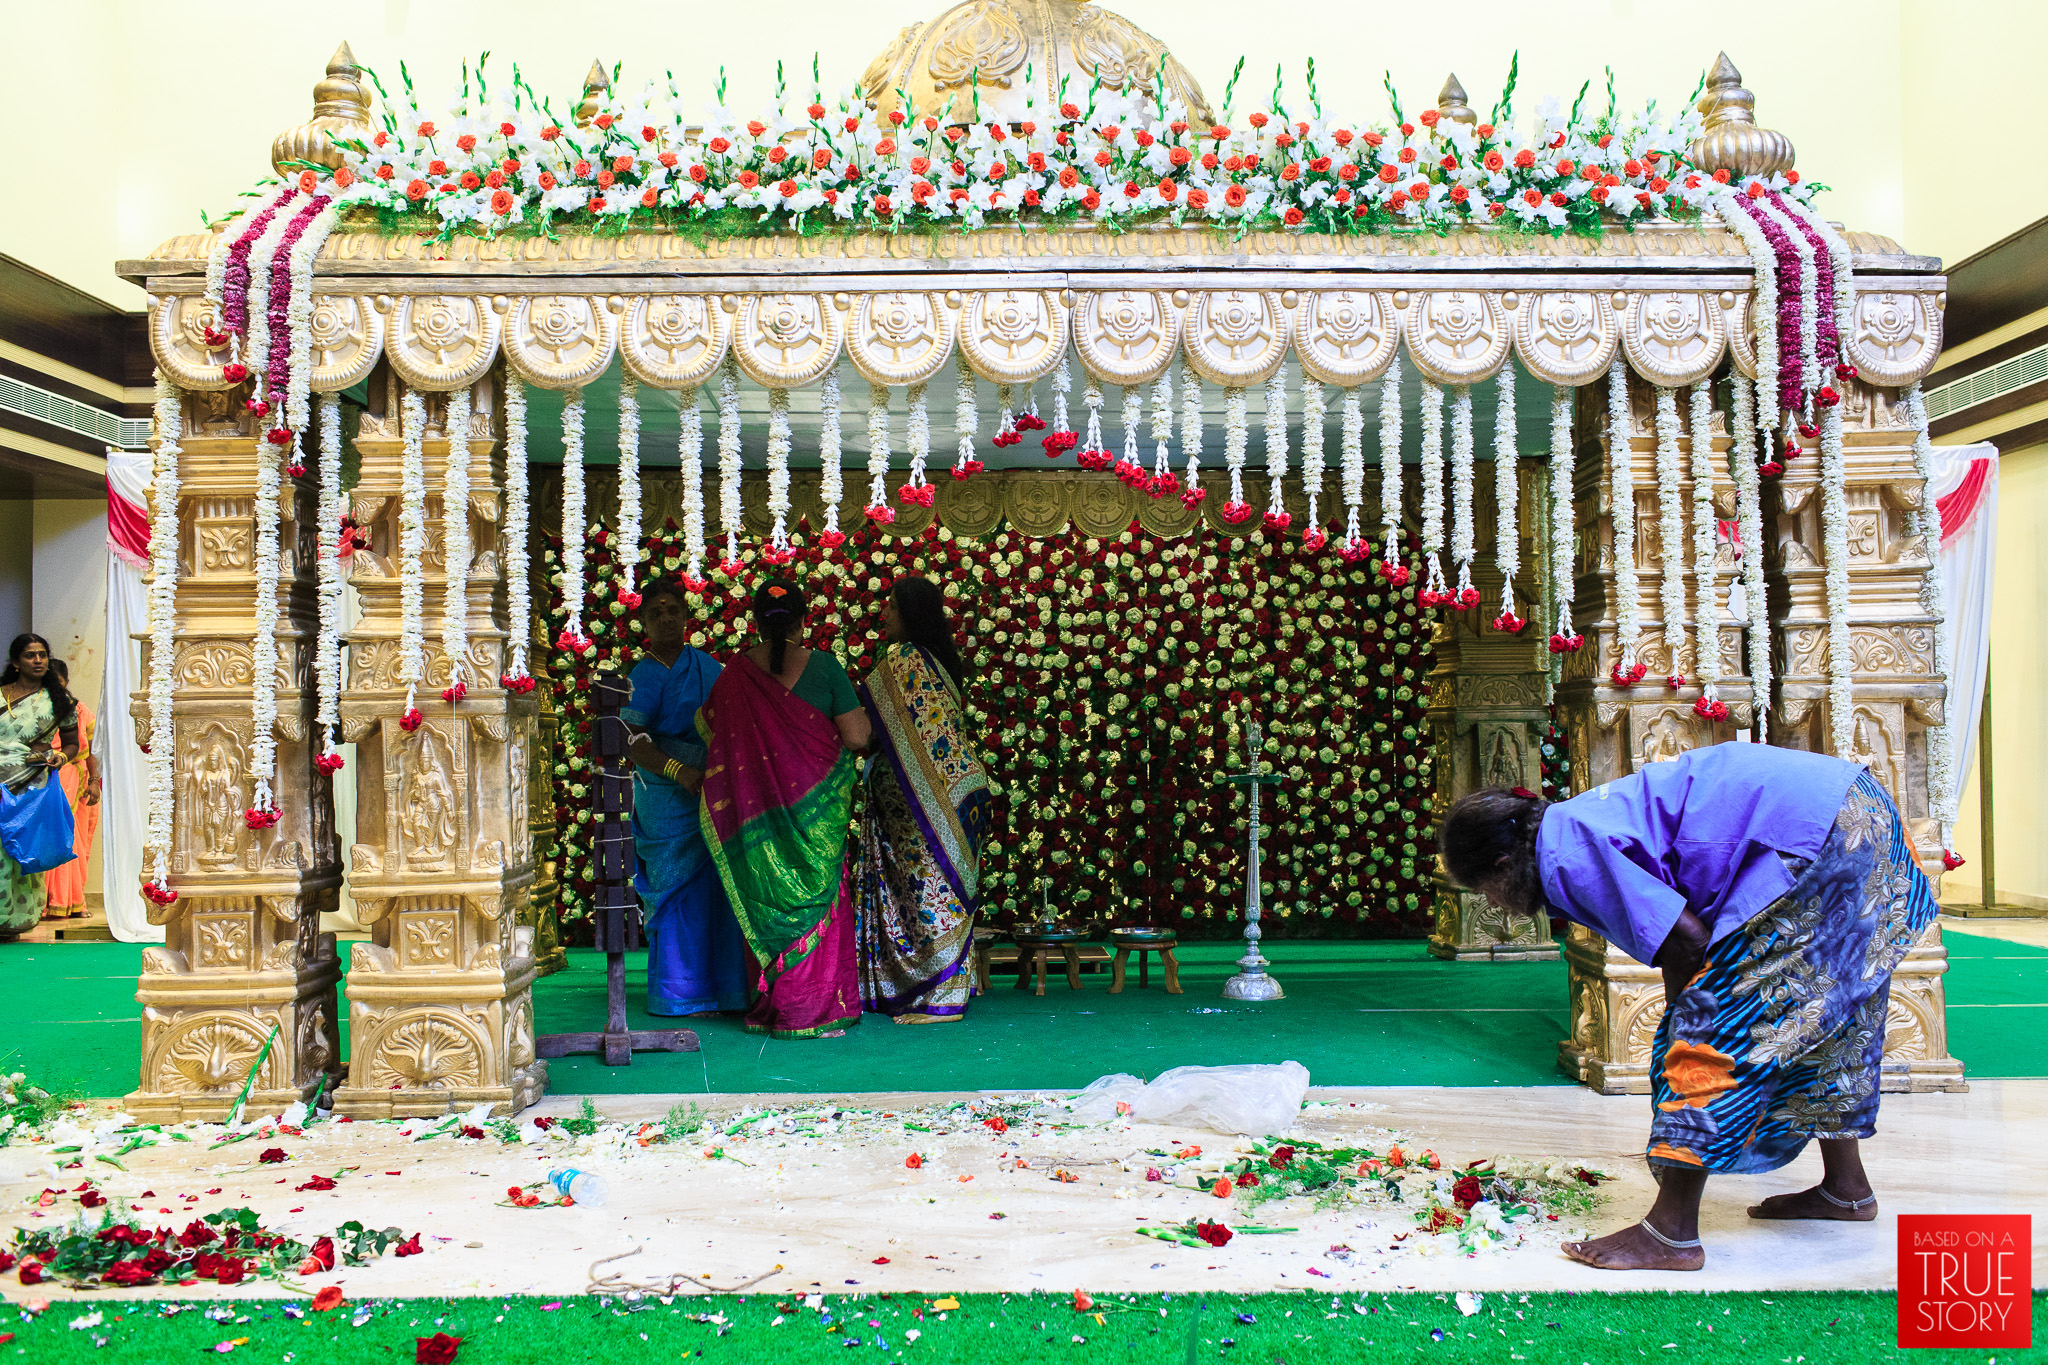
(595, 85)
(1730, 140)
(1450, 102)
(341, 107)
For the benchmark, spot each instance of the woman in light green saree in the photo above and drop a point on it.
(33, 706)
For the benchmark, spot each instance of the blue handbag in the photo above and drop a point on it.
(35, 825)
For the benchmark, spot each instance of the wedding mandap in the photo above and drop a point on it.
(435, 402)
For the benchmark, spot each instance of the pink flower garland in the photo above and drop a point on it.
(1791, 393)
(234, 293)
(1827, 339)
(278, 364)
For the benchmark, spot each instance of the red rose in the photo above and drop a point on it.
(1215, 1234)
(1389, 174)
(272, 1155)
(438, 1349)
(501, 202)
(231, 1270)
(323, 1252)
(547, 180)
(1091, 201)
(1557, 199)
(1467, 1192)
(409, 1247)
(1292, 217)
(1234, 197)
(328, 1299)
(1525, 158)
(31, 1273)
(417, 190)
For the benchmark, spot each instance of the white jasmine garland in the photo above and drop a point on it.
(1432, 486)
(1091, 399)
(263, 653)
(518, 584)
(1276, 440)
(1462, 546)
(1314, 407)
(1235, 437)
(1808, 359)
(327, 540)
(778, 469)
(830, 454)
(1006, 410)
(878, 446)
(1671, 532)
(1190, 426)
(256, 349)
(412, 544)
(1561, 517)
(917, 435)
(1705, 532)
(1062, 385)
(299, 320)
(1763, 311)
(1749, 525)
(1628, 625)
(1834, 535)
(690, 456)
(1390, 460)
(1841, 268)
(1134, 413)
(1162, 425)
(455, 548)
(966, 416)
(1507, 487)
(163, 640)
(575, 514)
(1941, 777)
(629, 480)
(729, 456)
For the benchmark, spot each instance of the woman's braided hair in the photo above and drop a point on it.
(1489, 825)
(779, 608)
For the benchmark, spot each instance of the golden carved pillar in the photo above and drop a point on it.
(440, 998)
(242, 953)
(544, 906)
(1486, 716)
(1615, 1001)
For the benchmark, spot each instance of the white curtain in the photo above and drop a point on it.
(1965, 485)
(123, 784)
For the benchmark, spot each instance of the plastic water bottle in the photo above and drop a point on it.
(582, 1187)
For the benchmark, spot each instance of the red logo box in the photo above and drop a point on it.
(1966, 1279)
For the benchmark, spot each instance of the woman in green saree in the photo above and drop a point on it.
(781, 728)
(33, 706)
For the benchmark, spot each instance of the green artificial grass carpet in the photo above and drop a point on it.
(1270, 1329)
(1356, 1013)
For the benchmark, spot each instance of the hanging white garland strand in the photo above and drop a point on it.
(1129, 469)
(1705, 542)
(1941, 782)
(1093, 455)
(575, 523)
(412, 544)
(1061, 438)
(831, 454)
(163, 640)
(1314, 408)
(629, 489)
(1162, 480)
(1391, 567)
(327, 543)
(1563, 638)
(518, 512)
(1191, 492)
(966, 415)
(1277, 517)
(779, 444)
(263, 812)
(918, 437)
(1749, 526)
(1434, 589)
(1236, 437)
(729, 462)
(1628, 623)
(690, 456)
(1834, 536)
(455, 548)
(1671, 535)
(1463, 546)
(878, 455)
(1763, 311)
(1507, 490)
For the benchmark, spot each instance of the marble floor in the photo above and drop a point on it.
(2032, 932)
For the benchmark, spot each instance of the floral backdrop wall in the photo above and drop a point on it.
(1111, 679)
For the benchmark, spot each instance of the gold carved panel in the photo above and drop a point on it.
(1456, 336)
(1566, 336)
(901, 337)
(561, 341)
(1236, 337)
(442, 341)
(1345, 337)
(1674, 338)
(1126, 336)
(347, 340)
(177, 337)
(1013, 336)
(1036, 504)
(1895, 337)
(784, 341)
(673, 341)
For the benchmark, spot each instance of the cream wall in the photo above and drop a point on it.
(167, 125)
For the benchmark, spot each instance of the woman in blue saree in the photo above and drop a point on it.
(696, 959)
(919, 878)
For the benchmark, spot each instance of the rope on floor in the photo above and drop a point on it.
(613, 1283)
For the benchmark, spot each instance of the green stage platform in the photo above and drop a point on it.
(1357, 1013)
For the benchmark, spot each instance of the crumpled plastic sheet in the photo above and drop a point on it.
(1252, 1100)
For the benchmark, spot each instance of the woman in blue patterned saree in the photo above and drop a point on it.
(696, 959)
(1776, 890)
(927, 811)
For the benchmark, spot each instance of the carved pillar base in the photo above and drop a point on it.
(1916, 1026)
(1471, 928)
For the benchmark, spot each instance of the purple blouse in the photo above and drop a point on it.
(1701, 833)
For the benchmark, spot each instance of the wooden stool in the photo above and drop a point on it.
(984, 942)
(1032, 947)
(1140, 943)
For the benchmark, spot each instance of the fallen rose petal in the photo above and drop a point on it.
(881, 1260)
(409, 1247)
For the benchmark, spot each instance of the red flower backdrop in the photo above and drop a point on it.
(1104, 673)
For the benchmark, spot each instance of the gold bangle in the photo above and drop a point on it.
(673, 770)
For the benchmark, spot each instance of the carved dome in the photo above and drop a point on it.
(994, 44)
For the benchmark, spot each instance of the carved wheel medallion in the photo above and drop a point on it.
(1565, 338)
(347, 337)
(1456, 336)
(900, 338)
(561, 341)
(787, 340)
(1345, 336)
(1236, 337)
(1126, 336)
(177, 337)
(1675, 339)
(1013, 336)
(442, 341)
(673, 341)
(1895, 338)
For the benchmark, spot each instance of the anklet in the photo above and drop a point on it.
(1671, 1242)
(1851, 1204)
